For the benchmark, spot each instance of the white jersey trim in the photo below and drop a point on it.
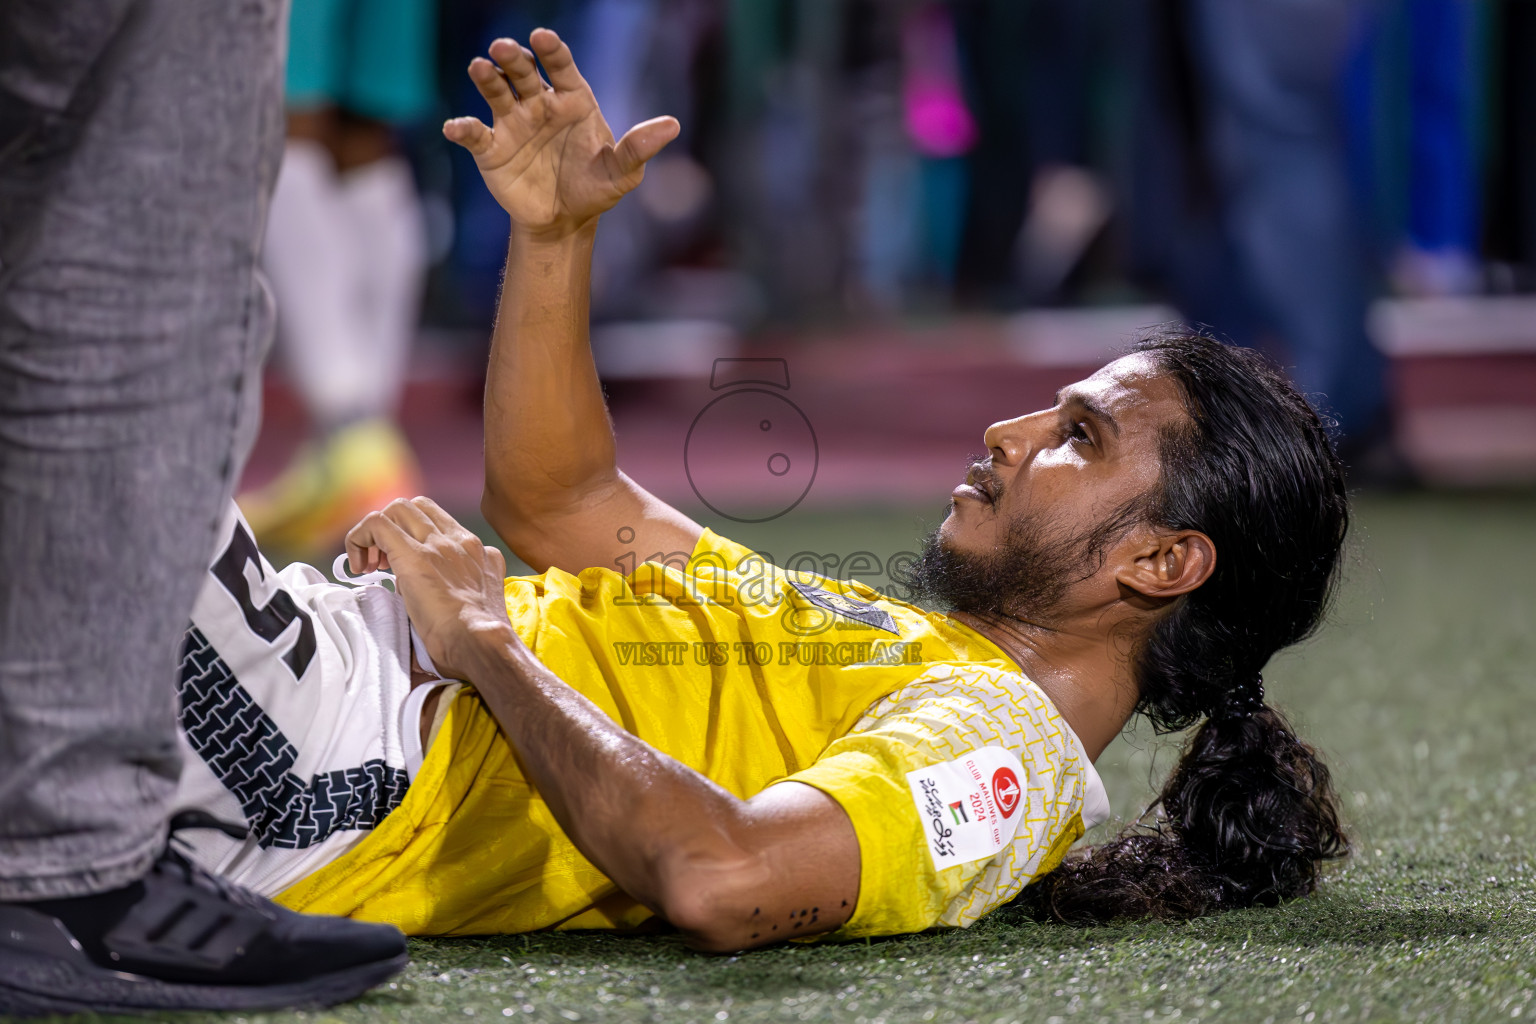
(1096, 809)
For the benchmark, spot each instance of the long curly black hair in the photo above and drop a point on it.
(1249, 815)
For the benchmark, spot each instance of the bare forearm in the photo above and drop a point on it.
(640, 816)
(552, 489)
(547, 432)
(705, 860)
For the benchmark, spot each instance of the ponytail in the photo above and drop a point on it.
(1248, 815)
(1247, 818)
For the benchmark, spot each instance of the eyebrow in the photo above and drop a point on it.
(1095, 410)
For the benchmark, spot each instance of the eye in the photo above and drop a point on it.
(1078, 432)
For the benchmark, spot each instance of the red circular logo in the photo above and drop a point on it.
(1005, 789)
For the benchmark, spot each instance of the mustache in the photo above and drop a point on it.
(981, 474)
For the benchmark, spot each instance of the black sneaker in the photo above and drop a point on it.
(182, 938)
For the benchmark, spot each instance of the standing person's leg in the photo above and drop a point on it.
(137, 150)
(1177, 238)
(132, 327)
(1273, 67)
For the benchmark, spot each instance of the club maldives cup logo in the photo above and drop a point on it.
(1005, 790)
(969, 806)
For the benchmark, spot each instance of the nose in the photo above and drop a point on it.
(1012, 442)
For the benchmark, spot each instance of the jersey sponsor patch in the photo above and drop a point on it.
(969, 806)
(847, 607)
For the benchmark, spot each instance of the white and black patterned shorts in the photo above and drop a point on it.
(291, 697)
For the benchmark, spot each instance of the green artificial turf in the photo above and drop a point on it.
(1420, 691)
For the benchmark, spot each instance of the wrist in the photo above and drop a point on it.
(555, 239)
(487, 649)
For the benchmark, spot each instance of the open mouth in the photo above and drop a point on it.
(979, 478)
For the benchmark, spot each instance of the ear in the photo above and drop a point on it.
(1165, 565)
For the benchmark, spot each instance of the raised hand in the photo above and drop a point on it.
(548, 156)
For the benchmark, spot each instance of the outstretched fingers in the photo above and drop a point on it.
(557, 60)
(644, 141)
(469, 132)
(493, 86)
(517, 62)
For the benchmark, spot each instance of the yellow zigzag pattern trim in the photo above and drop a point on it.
(952, 710)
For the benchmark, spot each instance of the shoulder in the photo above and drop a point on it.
(962, 786)
(713, 552)
(951, 709)
(990, 698)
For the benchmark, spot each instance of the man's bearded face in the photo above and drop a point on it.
(1027, 577)
(1044, 510)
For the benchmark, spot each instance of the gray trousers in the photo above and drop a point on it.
(139, 141)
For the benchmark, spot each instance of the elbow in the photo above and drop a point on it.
(708, 924)
(500, 515)
(494, 509)
(498, 508)
(511, 524)
(713, 907)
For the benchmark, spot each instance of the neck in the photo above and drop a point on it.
(1087, 677)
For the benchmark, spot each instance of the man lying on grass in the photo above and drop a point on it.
(1143, 546)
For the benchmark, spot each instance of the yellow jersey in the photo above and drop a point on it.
(751, 675)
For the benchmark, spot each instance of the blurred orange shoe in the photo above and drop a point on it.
(306, 512)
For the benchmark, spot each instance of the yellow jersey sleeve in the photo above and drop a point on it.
(962, 787)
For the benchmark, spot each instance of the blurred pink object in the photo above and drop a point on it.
(937, 119)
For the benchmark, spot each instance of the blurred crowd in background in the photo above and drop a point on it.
(1266, 167)
(856, 156)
